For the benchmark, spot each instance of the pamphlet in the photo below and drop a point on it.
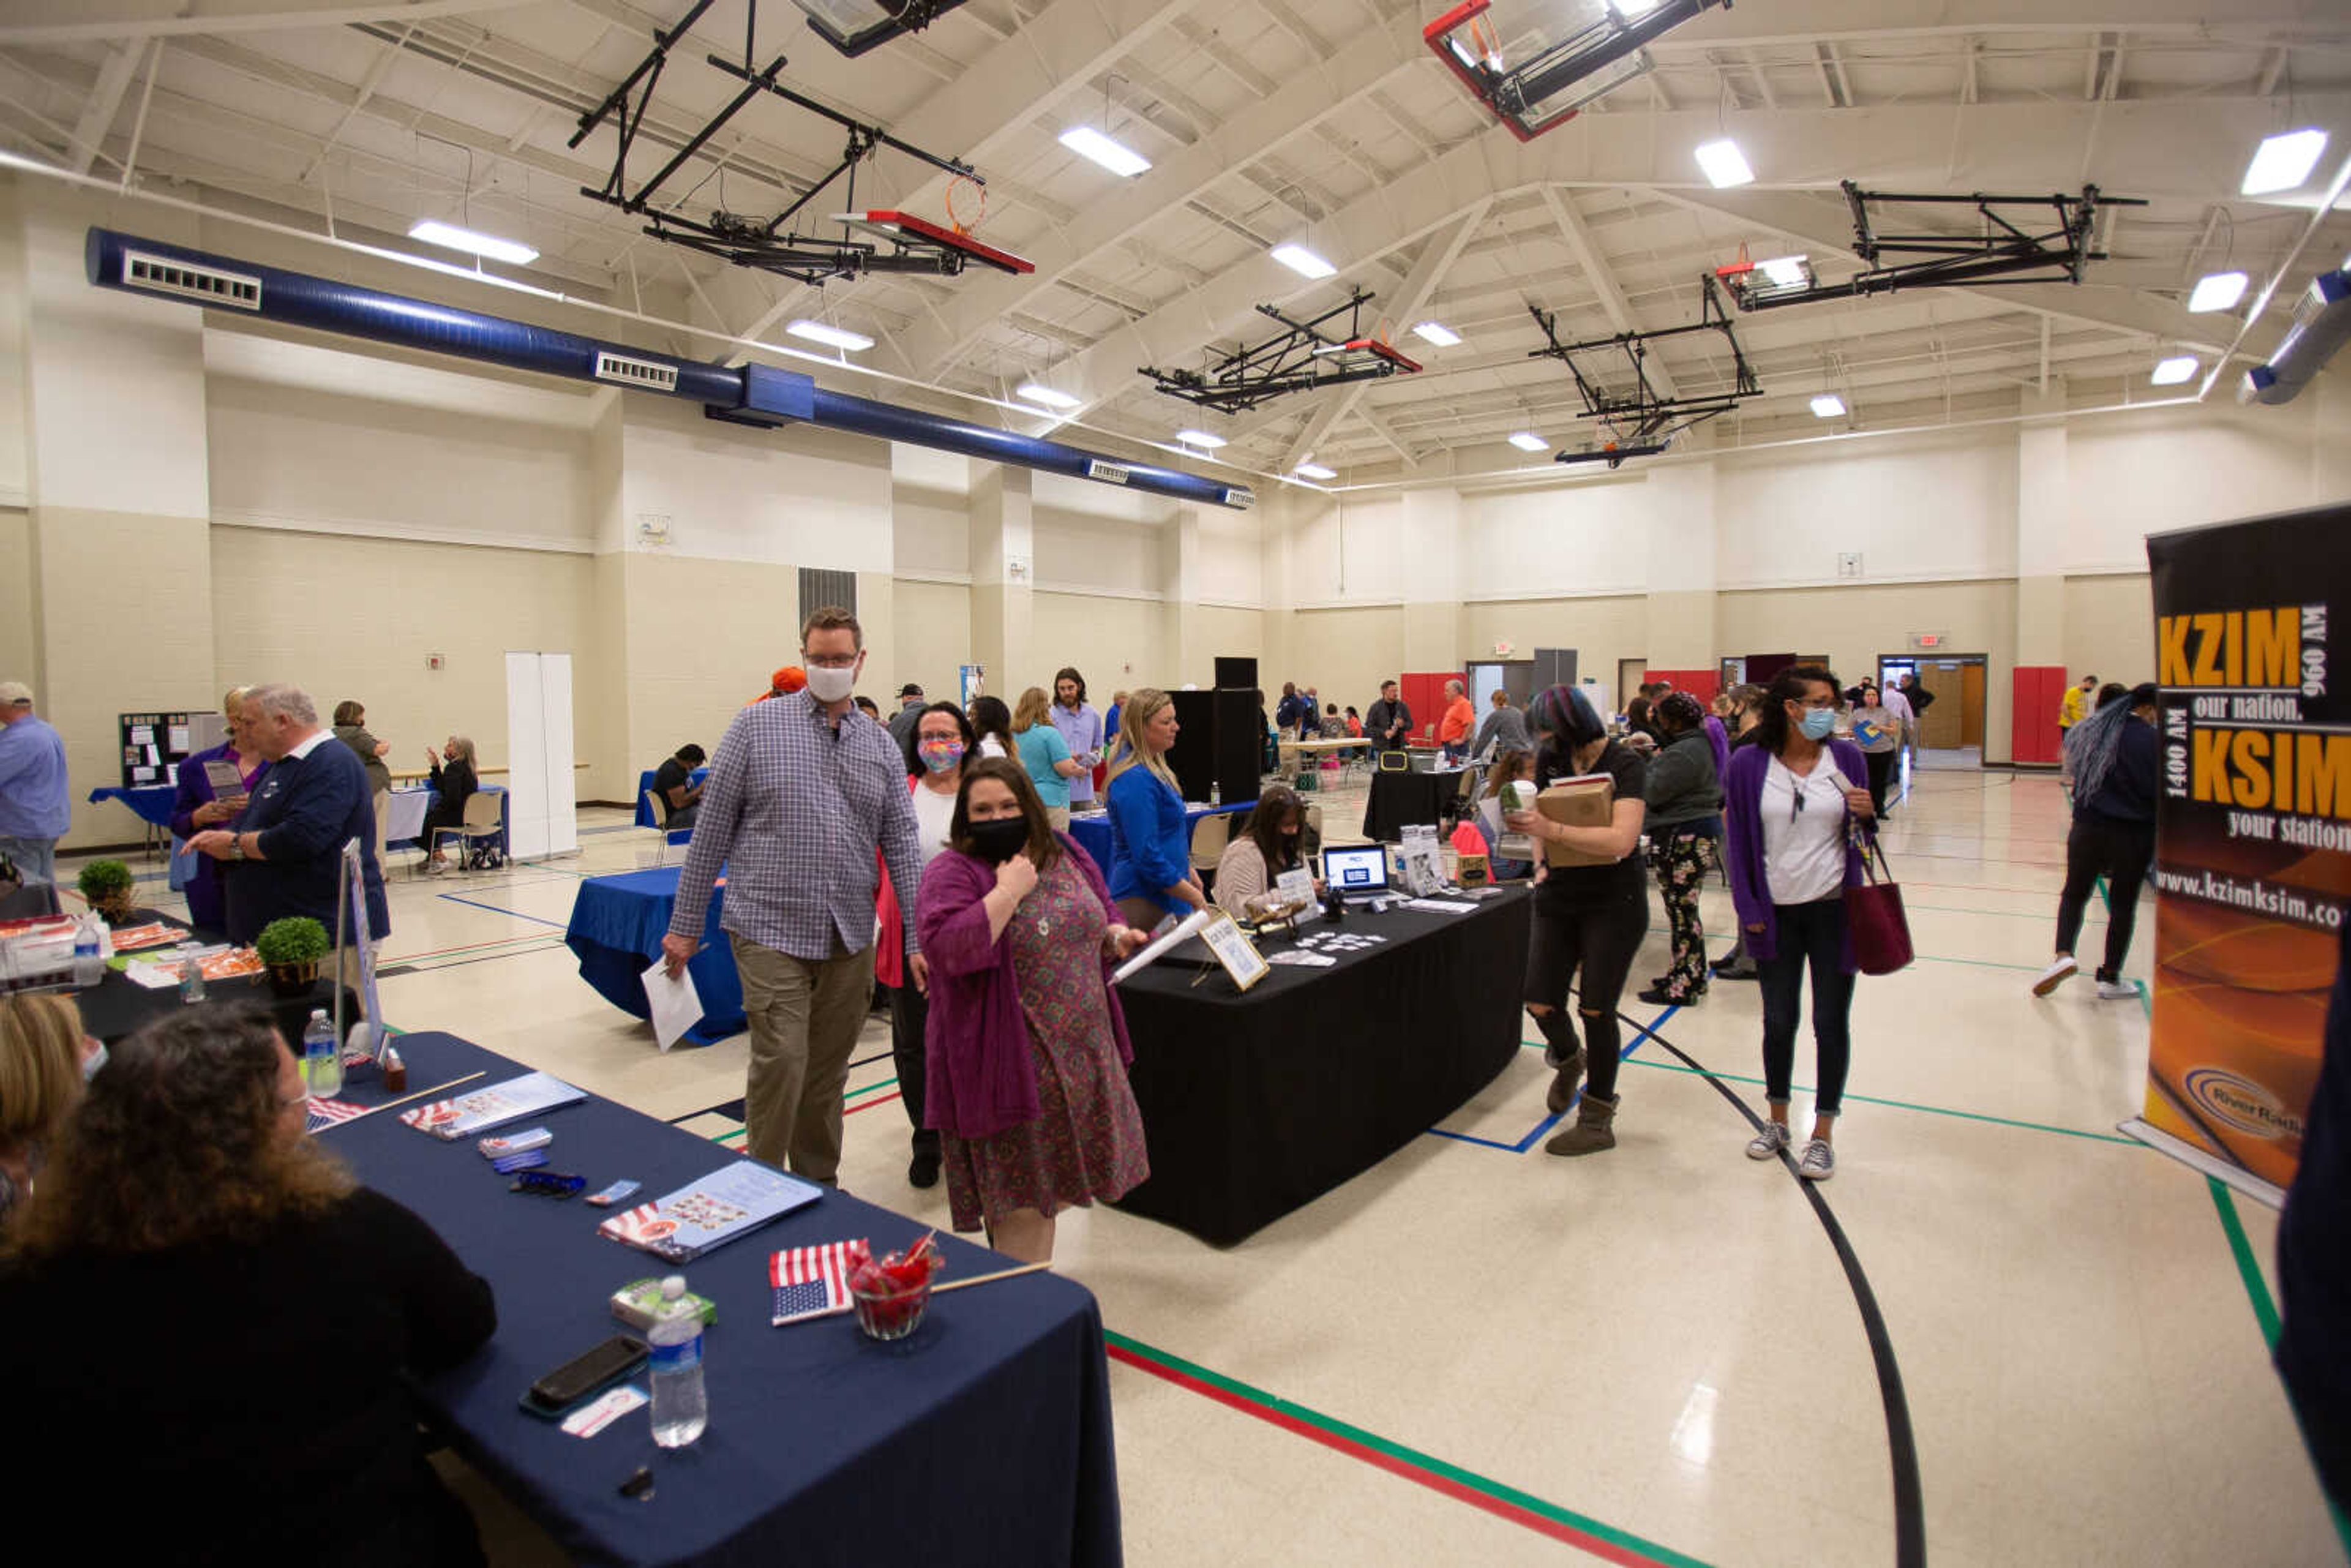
(675, 1005)
(731, 1201)
(1169, 939)
(226, 782)
(495, 1106)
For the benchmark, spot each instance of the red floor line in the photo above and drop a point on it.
(1605, 1549)
(884, 1100)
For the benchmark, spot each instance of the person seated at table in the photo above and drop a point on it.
(350, 728)
(1333, 727)
(453, 781)
(43, 1056)
(674, 788)
(1044, 752)
(1027, 1044)
(1151, 873)
(280, 1307)
(196, 806)
(1275, 844)
(1511, 766)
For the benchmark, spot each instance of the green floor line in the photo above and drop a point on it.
(1486, 1486)
(1911, 1105)
(2249, 1268)
(737, 1135)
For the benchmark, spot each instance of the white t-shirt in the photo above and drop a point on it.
(1803, 848)
(990, 747)
(933, 815)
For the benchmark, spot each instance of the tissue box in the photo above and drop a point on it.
(1587, 801)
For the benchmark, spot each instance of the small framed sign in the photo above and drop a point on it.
(1235, 951)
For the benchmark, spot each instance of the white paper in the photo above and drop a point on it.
(1300, 956)
(142, 734)
(593, 1418)
(176, 739)
(676, 1004)
(1183, 931)
(1440, 906)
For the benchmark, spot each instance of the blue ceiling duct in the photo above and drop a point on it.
(758, 395)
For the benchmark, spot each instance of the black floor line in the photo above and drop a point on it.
(396, 970)
(1902, 1445)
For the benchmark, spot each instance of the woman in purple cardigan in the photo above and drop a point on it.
(197, 806)
(1026, 1078)
(1789, 798)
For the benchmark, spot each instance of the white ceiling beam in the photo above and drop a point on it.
(71, 21)
(1380, 427)
(1597, 272)
(1804, 22)
(104, 102)
(1436, 255)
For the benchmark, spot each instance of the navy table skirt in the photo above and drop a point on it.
(984, 1438)
(616, 930)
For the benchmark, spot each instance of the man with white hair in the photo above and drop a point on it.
(279, 856)
(35, 809)
(1460, 718)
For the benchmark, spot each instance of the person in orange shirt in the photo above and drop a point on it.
(1453, 730)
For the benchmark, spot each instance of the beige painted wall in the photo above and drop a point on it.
(703, 637)
(1118, 643)
(1222, 632)
(1344, 653)
(933, 642)
(359, 618)
(17, 640)
(2110, 627)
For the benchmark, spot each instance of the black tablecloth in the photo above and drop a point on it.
(117, 1007)
(1256, 1104)
(1399, 800)
(984, 1438)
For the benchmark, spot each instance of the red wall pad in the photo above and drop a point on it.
(2036, 692)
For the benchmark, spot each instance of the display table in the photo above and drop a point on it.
(984, 1438)
(1091, 830)
(1403, 800)
(152, 803)
(616, 931)
(403, 815)
(1256, 1104)
(116, 1006)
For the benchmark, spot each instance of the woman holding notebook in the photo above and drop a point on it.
(1589, 917)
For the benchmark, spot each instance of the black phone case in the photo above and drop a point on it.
(640, 1354)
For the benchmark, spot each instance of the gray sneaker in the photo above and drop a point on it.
(1769, 1142)
(1818, 1162)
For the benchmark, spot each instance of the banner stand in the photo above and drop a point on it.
(2188, 1153)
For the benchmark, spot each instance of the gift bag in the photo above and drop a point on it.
(1873, 912)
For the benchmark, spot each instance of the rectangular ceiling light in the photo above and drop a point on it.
(2217, 291)
(1527, 441)
(831, 336)
(1314, 470)
(1828, 405)
(1199, 438)
(1116, 156)
(2170, 372)
(1723, 164)
(432, 231)
(2282, 162)
(1786, 271)
(1037, 391)
(1437, 332)
(1302, 261)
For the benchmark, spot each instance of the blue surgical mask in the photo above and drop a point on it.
(1819, 723)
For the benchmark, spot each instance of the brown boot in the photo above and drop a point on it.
(1563, 1082)
(1592, 1131)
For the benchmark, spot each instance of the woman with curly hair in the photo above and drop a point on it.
(194, 1271)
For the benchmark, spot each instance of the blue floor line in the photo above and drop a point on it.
(493, 909)
(1547, 1122)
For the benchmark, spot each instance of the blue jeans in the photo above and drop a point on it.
(37, 859)
(1811, 935)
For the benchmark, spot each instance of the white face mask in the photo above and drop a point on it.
(830, 686)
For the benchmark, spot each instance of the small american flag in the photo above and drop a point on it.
(327, 1112)
(639, 1227)
(813, 1282)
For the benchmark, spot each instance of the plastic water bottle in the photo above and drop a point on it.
(681, 1409)
(90, 968)
(191, 980)
(322, 1063)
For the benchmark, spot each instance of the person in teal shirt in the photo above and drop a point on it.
(1045, 755)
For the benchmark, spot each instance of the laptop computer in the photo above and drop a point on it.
(1355, 872)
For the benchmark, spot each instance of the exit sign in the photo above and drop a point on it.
(1926, 640)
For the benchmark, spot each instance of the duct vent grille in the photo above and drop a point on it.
(1108, 472)
(212, 285)
(651, 374)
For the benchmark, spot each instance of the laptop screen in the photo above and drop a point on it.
(1357, 869)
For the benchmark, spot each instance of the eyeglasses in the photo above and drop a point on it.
(831, 660)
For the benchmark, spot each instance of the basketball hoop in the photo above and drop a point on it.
(956, 221)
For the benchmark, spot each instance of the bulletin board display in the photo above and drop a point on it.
(155, 744)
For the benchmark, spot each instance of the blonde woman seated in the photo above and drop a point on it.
(1252, 864)
(43, 1058)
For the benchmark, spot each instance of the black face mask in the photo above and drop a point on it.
(1000, 840)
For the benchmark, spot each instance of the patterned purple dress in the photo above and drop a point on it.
(1087, 1141)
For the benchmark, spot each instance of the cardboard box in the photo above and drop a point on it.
(1586, 801)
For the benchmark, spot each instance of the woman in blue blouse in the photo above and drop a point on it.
(1151, 870)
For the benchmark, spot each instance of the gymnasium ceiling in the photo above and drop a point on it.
(1321, 122)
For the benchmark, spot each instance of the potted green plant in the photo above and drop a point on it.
(105, 884)
(290, 950)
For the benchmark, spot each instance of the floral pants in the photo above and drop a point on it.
(1681, 862)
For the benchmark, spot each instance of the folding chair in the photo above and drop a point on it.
(481, 822)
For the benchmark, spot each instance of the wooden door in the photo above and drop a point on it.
(1942, 725)
(1971, 704)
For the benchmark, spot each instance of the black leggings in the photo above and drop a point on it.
(2120, 851)
(1597, 936)
(1881, 775)
(910, 1013)
(1809, 934)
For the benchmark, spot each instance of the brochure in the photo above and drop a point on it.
(731, 1201)
(491, 1107)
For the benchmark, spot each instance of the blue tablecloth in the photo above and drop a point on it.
(616, 930)
(984, 1439)
(645, 783)
(152, 802)
(1092, 830)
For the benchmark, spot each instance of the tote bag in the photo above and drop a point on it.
(1873, 911)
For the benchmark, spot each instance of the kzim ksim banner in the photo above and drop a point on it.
(2252, 874)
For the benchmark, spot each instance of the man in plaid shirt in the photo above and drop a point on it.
(803, 790)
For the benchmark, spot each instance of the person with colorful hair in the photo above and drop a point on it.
(1588, 919)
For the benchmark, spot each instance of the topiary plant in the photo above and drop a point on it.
(296, 939)
(107, 886)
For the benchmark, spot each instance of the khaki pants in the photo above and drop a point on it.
(805, 1016)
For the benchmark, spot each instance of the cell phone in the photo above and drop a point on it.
(585, 1376)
